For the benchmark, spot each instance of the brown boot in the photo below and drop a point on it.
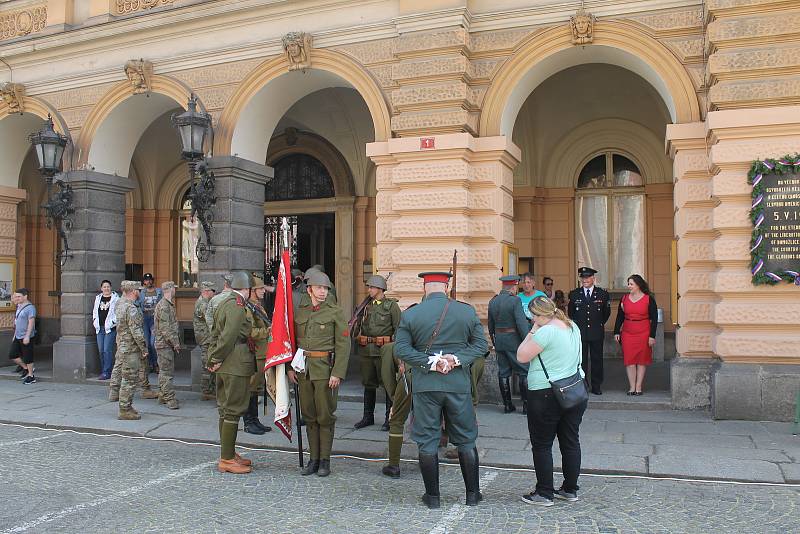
(161, 399)
(113, 395)
(232, 466)
(242, 461)
(172, 404)
(129, 415)
(149, 394)
(208, 397)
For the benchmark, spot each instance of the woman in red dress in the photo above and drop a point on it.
(637, 319)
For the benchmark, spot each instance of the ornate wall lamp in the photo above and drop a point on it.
(49, 146)
(193, 127)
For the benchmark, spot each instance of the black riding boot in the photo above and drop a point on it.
(385, 425)
(258, 421)
(469, 470)
(369, 410)
(522, 382)
(251, 425)
(429, 467)
(505, 392)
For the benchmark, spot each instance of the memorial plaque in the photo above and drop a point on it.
(781, 222)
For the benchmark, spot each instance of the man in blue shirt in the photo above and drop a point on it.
(21, 351)
(528, 293)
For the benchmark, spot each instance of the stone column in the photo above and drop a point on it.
(440, 194)
(238, 233)
(691, 371)
(97, 243)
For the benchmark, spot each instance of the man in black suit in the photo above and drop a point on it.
(590, 308)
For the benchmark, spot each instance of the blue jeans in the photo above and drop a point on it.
(106, 343)
(150, 337)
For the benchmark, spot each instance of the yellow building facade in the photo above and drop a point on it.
(526, 135)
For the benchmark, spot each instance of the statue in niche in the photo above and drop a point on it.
(582, 25)
(297, 46)
(139, 73)
(190, 236)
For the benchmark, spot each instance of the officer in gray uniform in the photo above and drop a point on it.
(508, 326)
(438, 340)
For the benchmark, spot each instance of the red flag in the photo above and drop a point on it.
(281, 347)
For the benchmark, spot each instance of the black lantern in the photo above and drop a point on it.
(49, 146)
(193, 126)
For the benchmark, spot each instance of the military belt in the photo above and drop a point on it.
(317, 353)
(378, 340)
(505, 330)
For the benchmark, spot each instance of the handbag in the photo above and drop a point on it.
(570, 391)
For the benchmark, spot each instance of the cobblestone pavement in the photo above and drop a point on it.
(60, 481)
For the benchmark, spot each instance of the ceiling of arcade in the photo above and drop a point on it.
(604, 104)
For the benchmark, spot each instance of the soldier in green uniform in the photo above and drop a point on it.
(131, 347)
(318, 269)
(321, 331)
(439, 339)
(216, 299)
(230, 358)
(168, 344)
(508, 326)
(258, 340)
(397, 381)
(202, 336)
(375, 330)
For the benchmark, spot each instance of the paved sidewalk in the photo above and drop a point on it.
(647, 442)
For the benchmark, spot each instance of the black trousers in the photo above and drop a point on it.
(593, 354)
(546, 420)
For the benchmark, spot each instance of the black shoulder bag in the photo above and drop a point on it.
(570, 391)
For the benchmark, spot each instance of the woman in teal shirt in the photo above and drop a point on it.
(557, 342)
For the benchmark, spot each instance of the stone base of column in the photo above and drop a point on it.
(77, 357)
(755, 392)
(690, 380)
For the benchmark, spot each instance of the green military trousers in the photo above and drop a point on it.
(459, 419)
(258, 381)
(166, 373)
(233, 396)
(401, 407)
(129, 370)
(318, 407)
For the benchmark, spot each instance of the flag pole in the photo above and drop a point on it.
(285, 235)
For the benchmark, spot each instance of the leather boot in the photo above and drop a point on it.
(242, 461)
(232, 466)
(113, 395)
(429, 467)
(505, 392)
(522, 381)
(369, 410)
(258, 421)
(129, 415)
(251, 416)
(385, 425)
(149, 394)
(469, 470)
(311, 467)
(324, 468)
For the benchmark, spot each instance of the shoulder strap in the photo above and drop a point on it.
(435, 333)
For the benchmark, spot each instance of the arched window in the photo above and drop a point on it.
(299, 177)
(610, 215)
(190, 235)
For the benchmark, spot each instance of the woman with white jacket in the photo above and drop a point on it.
(104, 319)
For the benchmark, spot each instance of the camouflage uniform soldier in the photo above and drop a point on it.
(141, 372)
(168, 344)
(131, 347)
(201, 335)
(217, 299)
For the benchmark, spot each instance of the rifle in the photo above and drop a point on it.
(454, 272)
(357, 314)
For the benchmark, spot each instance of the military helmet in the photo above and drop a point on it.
(309, 272)
(377, 280)
(241, 280)
(257, 281)
(318, 278)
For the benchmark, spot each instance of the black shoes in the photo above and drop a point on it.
(30, 379)
(324, 468)
(391, 471)
(505, 393)
(597, 391)
(431, 501)
(369, 410)
(251, 423)
(311, 467)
